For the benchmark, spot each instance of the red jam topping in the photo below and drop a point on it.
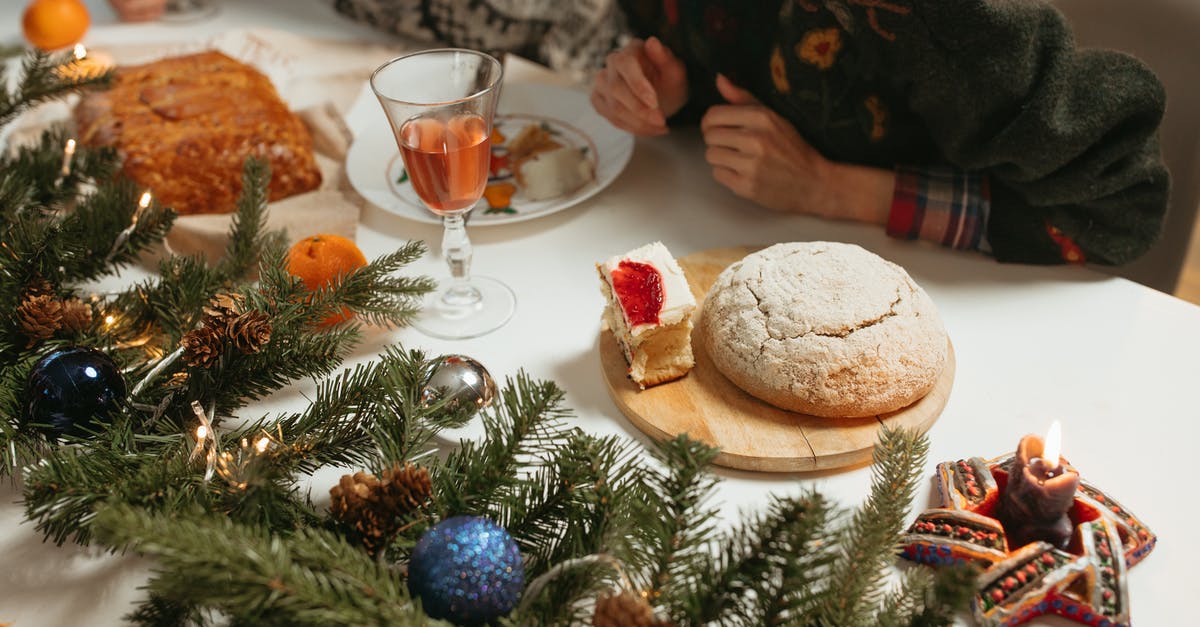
(639, 288)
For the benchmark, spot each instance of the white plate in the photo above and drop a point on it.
(376, 171)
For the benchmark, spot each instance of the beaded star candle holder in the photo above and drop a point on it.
(1084, 583)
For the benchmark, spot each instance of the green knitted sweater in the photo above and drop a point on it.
(1067, 137)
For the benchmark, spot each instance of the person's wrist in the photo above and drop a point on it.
(860, 193)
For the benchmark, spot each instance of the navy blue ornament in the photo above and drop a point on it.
(466, 570)
(71, 389)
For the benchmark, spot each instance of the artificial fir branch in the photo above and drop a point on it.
(45, 76)
(478, 477)
(678, 521)
(927, 598)
(867, 545)
(597, 523)
(764, 567)
(248, 234)
(310, 578)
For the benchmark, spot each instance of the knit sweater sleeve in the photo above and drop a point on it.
(1066, 136)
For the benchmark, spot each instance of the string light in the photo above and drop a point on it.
(207, 441)
(68, 156)
(80, 52)
(123, 236)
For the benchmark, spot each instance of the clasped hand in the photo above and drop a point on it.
(753, 151)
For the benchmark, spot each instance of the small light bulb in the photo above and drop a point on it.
(262, 445)
(201, 433)
(80, 52)
(109, 319)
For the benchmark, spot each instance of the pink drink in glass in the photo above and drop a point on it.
(447, 160)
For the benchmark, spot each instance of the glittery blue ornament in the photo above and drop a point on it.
(71, 389)
(466, 570)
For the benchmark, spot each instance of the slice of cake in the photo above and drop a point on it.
(554, 172)
(649, 311)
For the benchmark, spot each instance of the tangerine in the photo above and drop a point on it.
(320, 260)
(54, 24)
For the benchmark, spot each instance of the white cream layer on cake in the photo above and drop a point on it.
(658, 349)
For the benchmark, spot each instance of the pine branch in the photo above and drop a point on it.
(377, 295)
(767, 569)
(310, 578)
(41, 81)
(18, 446)
(928, 597)
(578, 511)
(32, 180)
(406, 422)
(675, 521)
(522, 426)
(158, 611)
(867, 546)
(97, 222)
(248, 234)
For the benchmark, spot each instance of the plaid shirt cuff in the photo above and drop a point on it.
(942, 205)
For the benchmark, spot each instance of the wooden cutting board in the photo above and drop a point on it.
(752, 434)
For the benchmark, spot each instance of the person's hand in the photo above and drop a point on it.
(641, 86)
(138, 10)
(760, 156)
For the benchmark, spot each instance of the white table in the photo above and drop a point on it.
(1116, 362)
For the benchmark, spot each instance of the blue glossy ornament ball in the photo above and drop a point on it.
(466, 570)
(71, 389)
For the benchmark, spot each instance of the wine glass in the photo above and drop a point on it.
(440, 104)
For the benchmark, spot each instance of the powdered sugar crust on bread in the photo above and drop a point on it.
(824, 328)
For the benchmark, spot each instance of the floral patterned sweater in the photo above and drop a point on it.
(1003, 134)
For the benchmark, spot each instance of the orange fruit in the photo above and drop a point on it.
(54, 24)
(320, 260)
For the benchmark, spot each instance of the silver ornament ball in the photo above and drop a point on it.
(461, 382)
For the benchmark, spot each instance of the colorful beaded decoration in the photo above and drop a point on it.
(1085, 583)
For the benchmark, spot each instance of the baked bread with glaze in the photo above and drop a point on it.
(824, 328)
(185, 125)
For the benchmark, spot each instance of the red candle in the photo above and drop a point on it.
(1040, 491)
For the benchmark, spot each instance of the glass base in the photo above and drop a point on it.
(189, 10)
(444, 318)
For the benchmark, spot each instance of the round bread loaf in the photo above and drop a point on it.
(824, 328)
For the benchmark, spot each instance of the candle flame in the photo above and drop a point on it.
(1052, 447)
(145, 200)
(80, 52)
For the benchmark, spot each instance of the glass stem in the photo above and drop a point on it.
(456, 248)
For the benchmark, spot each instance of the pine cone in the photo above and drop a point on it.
(222, 309)
(39, 317)
(37, 286)
(201, 347)
(76, 315)
(372, 508)
(625, 609)
(250, 331)
(406, 487)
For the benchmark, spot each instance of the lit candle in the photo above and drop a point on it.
(1036, 503)
(68, 154)
(86, 64)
